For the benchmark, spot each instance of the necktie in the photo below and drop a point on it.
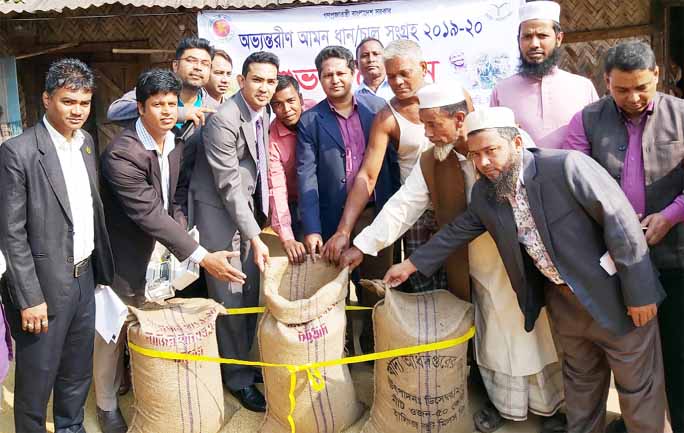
(262, 166)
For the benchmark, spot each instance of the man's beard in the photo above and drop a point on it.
(539, 70)
(442, 152)
(505, 185)
(191, 87)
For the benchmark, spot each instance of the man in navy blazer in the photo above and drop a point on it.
(331, 142)
(323, 166)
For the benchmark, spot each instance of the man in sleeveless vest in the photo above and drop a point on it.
(520, 369)
(636, 134)
(397, 126)
(542, 96)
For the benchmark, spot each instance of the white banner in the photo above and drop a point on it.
(471, 41)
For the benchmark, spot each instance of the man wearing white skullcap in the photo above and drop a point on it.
(505, 353)
(569, 240)
(543, 97)
(442, 109)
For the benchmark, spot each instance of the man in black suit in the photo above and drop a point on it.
(52, 232)
(140, 171)
(570, 240)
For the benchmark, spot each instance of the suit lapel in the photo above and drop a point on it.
(246, 126)
(86, 151)
(329, 122)
(534, 195)
(174, 173)
(53, 169)
(153, 161)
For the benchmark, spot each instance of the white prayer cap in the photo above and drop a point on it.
(540, 10)
(440, 95)
(490, 117)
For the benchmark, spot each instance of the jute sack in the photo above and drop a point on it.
(426, 392)
(176, 396)
(305, 323)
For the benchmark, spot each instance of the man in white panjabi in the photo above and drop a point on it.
(520, 370)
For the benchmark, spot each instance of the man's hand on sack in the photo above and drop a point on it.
(397, 274)
(218, 266)
(352, 257)
(261, 253)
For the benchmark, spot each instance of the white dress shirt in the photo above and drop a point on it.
(163, 158)
(78, 189)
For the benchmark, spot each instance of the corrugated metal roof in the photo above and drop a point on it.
(33, 6)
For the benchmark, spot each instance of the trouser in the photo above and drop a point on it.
(372, 267)
(108, 363)
(591, 352)
(235, 333)
(60, 361)
(671, 318)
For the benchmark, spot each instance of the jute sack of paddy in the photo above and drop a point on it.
(426, 392)
(176, 396)
(304, 323)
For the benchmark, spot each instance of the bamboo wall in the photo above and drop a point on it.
(591, 16)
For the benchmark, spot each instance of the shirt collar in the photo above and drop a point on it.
(364, 88)
(60, 141)
(198, 101)
(355, 104)
(150, 144)
(647, 112)
(281, 129)
(254, 115)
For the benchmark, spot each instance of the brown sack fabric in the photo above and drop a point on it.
(176, 396)
(305, 323)
(426, 392)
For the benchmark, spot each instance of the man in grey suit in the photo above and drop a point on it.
(569, 239)
(53, 235)
(230, 202)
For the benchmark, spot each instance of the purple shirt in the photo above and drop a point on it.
(5, 345)
(354, 142)
(633, 178)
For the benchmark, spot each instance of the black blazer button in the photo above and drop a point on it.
(70, 259)
(344, 180)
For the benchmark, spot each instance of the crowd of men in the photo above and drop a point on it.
(559, 214)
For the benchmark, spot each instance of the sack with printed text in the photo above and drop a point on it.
(426, 392)
(176, 396)
(305, 323)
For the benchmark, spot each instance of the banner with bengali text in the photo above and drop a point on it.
(473, 42)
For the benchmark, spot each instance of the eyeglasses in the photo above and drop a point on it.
(194, 61)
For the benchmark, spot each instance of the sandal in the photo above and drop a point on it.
(557, 423)
(488, 419)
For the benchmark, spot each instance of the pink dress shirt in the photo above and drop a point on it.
(282, 175)
(544, 107)
(632, 180)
